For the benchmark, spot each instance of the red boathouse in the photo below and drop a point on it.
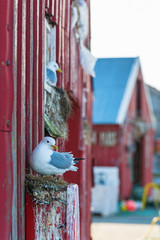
(122, 122)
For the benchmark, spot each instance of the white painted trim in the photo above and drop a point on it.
(148, 99)
(51, 33)
(128, 92)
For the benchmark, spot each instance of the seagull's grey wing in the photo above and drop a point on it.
(51, 75)
(61, 160)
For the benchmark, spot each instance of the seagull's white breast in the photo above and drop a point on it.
(40, 157)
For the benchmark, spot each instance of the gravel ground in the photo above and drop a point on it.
(121, 231)
(125, 226)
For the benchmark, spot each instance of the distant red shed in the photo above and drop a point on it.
(122, 122)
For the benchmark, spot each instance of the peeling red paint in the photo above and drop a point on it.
(58, 210)
(56, 220)
(73, 223)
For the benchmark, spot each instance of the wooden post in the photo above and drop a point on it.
(56, 220)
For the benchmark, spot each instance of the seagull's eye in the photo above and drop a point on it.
(47, 141)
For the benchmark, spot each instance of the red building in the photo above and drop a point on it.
(122, 122)
(26, 48)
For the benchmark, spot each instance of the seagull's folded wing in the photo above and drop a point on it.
(51, 75)
(61, 160)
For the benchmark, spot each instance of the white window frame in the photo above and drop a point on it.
(50, 43)
(84, 102)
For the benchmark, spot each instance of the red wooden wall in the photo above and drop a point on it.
(103, 155)
(28, 73)
(22, 62)
(6, 107)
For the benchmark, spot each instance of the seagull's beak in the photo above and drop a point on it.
(54, 147)
(59, 70)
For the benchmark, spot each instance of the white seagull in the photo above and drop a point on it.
(45, 160)
(52, 67)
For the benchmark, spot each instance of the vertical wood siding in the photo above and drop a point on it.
(41, 70)
(21, 121)
(29, 76)
(6, 108)
(28, 63)
(28, 69)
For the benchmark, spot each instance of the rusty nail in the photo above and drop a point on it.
(8, 123)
